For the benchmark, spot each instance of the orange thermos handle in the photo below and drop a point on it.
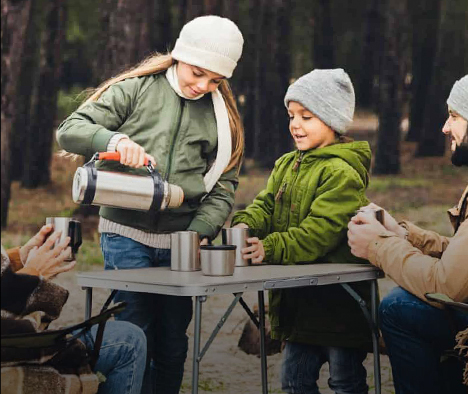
(115, 156)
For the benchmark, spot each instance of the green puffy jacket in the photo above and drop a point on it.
(180, 134)
(302, 217)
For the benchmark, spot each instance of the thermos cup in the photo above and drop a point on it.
(237, 236)
(218, 260)
(119, 190)
(70, 228)
(185, 248)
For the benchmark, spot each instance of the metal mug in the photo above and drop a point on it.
(237, 236)
(69, 227)
(185, 247)
(218, 260)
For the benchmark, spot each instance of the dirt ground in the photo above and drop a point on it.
(225, 368)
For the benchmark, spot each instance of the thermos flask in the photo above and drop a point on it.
(119, 190)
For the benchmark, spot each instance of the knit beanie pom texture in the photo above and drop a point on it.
(458, 98)
(328, 94)
(210, 42)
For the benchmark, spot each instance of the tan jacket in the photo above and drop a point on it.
(427, 262)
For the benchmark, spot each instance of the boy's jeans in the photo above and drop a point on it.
(302, 363)
(164, 319)
(415, 335)
(122, 357)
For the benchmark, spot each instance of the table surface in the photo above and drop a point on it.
(162, 280)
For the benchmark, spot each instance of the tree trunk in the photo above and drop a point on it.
(15, 16)
(449, 65)
(390, 88)
(425, 15)
(365, 90)
(24, 97)
(39, 143)
(324, 56)
(160, 27)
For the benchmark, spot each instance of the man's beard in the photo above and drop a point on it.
(460, 155)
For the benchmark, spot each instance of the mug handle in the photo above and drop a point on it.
(74, 232)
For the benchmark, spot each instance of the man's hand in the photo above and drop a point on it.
(389, 221)
(362, 229)
(48, 259)
(35, 241)
(255, 251)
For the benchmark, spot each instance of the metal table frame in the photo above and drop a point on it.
(255, 278)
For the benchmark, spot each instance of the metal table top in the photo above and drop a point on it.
(162, 280)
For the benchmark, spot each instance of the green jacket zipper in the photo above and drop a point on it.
(176, 133)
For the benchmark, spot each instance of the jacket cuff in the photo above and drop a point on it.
(15, 259)
(202, 228)
(112, 145)
(269, 251)
(413, 233)
(101, 140)
(376, 245)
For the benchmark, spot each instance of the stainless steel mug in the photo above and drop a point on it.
(70, 228)
(185, 247)
(218, 260)
(237, 236)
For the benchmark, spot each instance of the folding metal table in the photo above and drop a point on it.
(253, 278)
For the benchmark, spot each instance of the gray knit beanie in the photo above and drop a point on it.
(328, 94)
(458, 98)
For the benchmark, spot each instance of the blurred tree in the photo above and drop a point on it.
(425, 15)
(365, 88)
(27, 80)
(39, 140)
(391, 81)
(449, 65)
(15, 17)
(323, 43)
(161, 28)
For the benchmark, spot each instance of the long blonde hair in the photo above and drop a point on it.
(158, 63)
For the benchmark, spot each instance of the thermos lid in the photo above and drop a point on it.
(80, 184)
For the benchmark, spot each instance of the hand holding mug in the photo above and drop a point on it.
(35, 241)
(255, 251)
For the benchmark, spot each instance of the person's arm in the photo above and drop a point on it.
(257, 216)
(419, 273)
(90, 128)
(428, 242)
(341, 193)
(216, 207)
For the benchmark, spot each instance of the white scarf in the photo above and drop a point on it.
(223, 155)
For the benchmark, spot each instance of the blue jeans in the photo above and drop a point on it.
(302, 363)
(163, 318)
(415, 335)
(122, 357)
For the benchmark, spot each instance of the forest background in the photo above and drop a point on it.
(403, 57)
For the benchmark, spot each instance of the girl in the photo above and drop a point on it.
(162, 111)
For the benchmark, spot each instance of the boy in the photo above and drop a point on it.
(302, 216)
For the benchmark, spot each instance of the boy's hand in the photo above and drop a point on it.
(256, 252)
(35, 241)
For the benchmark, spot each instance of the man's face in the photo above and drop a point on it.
(457, 128)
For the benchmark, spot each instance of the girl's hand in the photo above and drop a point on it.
(35, 241)
(48, 259)
(256, 252)
(132, 154)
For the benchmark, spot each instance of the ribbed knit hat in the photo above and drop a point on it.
(458, 98)
(210, 42)
(328, 94)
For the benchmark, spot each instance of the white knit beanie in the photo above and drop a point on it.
(210, 42)
(328, 94)
(458, 98)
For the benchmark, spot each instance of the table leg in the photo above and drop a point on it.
(196, 342)
(263, 358)
(89, 302)
(375, 336)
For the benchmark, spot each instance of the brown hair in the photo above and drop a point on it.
(158, 63)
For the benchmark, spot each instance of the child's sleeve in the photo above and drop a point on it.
(340, 194)
(258, 215)
(216, 207)
(90, 128)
